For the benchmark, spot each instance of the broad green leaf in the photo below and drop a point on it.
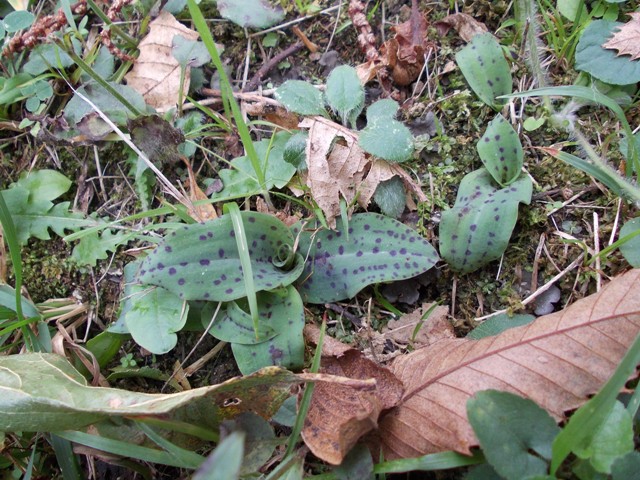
(44, 393)
(295, 150)
(357, 465)
(234, 325)
(477, 229)
(260, 441)
(225, 461)
(49, 55)
(201, 261)
(345, 93)
(283, 311)
(301, 98)
(32, 210)
(10, 91)
(501, 151)
(602, 63)
(154, 317)
(189, 53)
(391, 197)
(250, 13)
(77, 108)
(18, 20)
(8, 300)
(515, 434)
(242, 181)
(631, 249)
(374, 249)
(571, 8)
(498, 324)
(627, 467)
(486, 70)
(385, 137)
(613, 439)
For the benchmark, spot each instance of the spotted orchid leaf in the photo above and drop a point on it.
(374, 249)
(501, 151)
(201, 261)
(477, 229)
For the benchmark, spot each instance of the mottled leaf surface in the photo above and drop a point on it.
(501, 151)
(375, 249)
(201, 261)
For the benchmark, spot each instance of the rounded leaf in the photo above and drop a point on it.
(301, 98)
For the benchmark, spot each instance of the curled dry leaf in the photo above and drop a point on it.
(627, 39)
(557, 361)
(156, 73)
(466, 26)
(434, 328)
(204, 211)
(339, 415)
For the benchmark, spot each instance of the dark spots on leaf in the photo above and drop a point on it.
(184, 264)
(490, 83)
(393, 253)
(454, 237)
(173, 234)
(223, 277)
(344, 271)
(232, 234)
(172, 271)
(473, 227)
(340, 250)
(501, 149)
(491, 234)
(202, 238)
(378, 240)
(502, 159)
(367, 226)
(412, 239)
(375, 250)
(403, 251)
(263, 237)
(168, 249)
(359, 253)
(254, 244)
(181, 281)
(362, 268)
(142, 272)
(330, 237)
(415, 264)
(338, 234)
(318, 245)
(221, 253)
(497, 137)
(497, 218)
(206, 295)
(204, 262)
(333, 284)
(229, 291)
(237, 279)
(210, 234)
(396, 266)
(251, 219)
(487, 139)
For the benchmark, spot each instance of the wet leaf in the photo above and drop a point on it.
(547, 361)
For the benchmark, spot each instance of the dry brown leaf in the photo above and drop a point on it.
(340, 415)
(557, 361)
(156, 73)
(627, 39)
(435, 328)
(466, 26)
(204, 211)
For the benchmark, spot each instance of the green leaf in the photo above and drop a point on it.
(77, 108)
(30, 202)
(225, 461)
(501, 151)
(391, 197)
(486, 70)
(10, 88)
(385, 137)
(570, 8)
(613, 439)
(301, 98)
(250, 13)
(283, 311)
(631, 249)
(44, 393)
(602, 63)
(345, 93)
(295, 150)
(154, 317)
(498, 324)
(477, 229)
(378, 249)
(241, 180)
(191, 53)
(357, 465)
(8, 300)
(97, 245)
(49, 55)
(18, 20)
(236, 326)
(201, 261)
(515, 434)
(627, 467)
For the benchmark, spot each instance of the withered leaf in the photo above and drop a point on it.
(557, 361)
(627, 39)
(156, 73)
(339, 415)
(466, 26)
(434, 328)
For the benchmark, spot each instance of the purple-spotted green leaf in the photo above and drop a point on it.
(201, 261)
(486, 70)
(501, 151)
(283, 311)
(250, 13)
(375, 249)
(477, 229)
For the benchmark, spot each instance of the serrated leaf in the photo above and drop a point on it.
(375, 249)
(514, 433)
(477, 229)
(486, 70)
(30, 202)
(301, 98)
(501, 151)
(241, 180)
(345, 93)
(250, 13)
(602, 63)
(96, 246)
(201, 261)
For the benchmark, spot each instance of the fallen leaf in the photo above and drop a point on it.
(434, 328)
(466, 26)
(204, 211)
(156, 73)
(339, 415)
(557, 361)
(627, 39)
(156, 137)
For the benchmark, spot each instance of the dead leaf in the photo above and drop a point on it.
(627, 39)
(156, 73)
(466, 26)
(340, 415)
(435, 328)
(204, 211)
(272, 113)
(156, 137)
(557, 361)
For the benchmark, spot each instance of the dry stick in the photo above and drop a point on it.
(596, 250)
(266, 68)
(536, 263)
(541, 290)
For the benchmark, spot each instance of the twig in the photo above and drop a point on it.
(541, 290)
(266, 68)
(596, 250)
